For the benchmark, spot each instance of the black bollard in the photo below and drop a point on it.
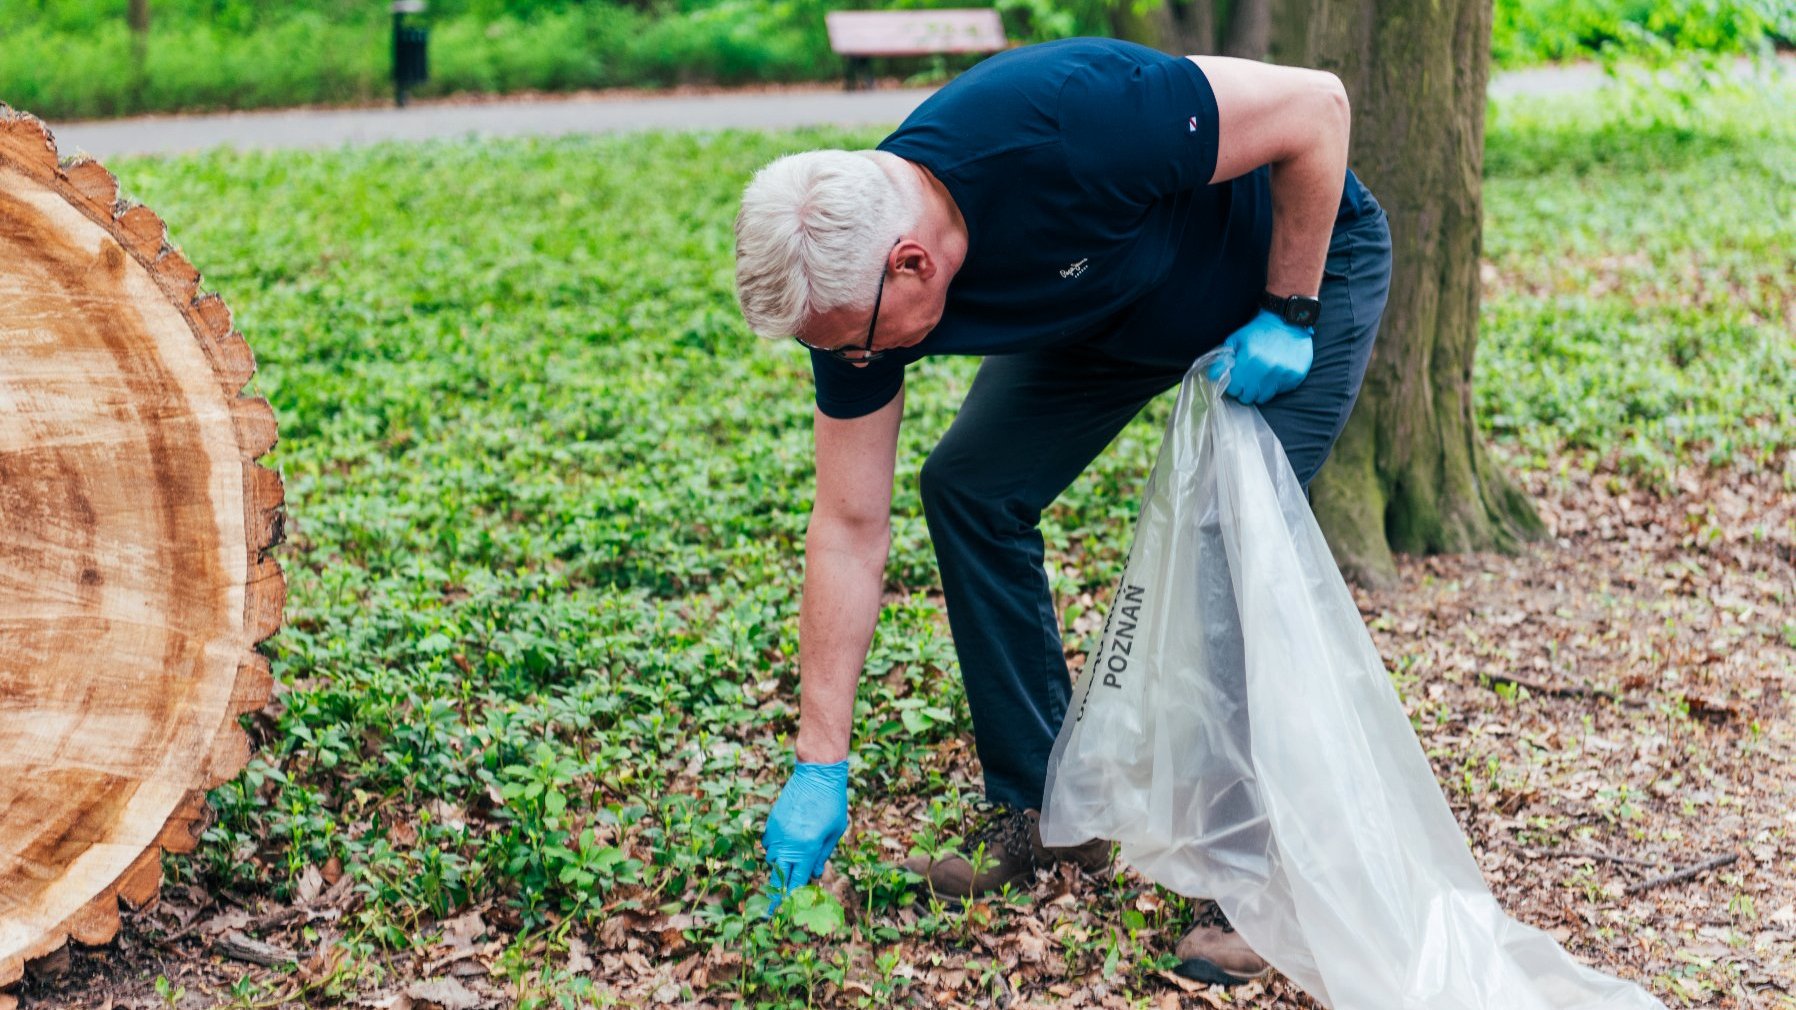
(411, 64)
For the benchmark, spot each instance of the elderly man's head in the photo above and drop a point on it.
(818, 235)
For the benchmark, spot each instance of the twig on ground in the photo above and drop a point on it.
(1574, 691)
(280, 916)
(238, 947)
(1604, 856)
(1677, 876)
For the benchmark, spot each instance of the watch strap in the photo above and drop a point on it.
(1296, 310)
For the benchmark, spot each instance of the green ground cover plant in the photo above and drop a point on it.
(68, 59)
(1639, 299)
(547, 499)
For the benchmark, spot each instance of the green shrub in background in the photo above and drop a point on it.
(1535, 31)
(63, 60)
(301, 58)
(71, 58)
(601, 45)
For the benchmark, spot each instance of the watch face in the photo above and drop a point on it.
(1303, 311)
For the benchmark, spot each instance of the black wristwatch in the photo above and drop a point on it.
(1298, 310)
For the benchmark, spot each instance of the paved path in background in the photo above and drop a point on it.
(538, 117)
(595, 114)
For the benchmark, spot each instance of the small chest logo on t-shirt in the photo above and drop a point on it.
(1191, 125)
(1076, 269)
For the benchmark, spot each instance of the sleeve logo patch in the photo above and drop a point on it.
(1191, 125)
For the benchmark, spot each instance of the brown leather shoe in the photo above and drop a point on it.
(1005, 849)
(1213, 952)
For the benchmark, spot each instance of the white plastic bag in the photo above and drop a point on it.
(1237, 734)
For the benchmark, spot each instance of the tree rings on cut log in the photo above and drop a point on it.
(134, 526)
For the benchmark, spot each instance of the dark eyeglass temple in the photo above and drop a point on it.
(867, 353)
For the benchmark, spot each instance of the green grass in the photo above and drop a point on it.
(547, 498)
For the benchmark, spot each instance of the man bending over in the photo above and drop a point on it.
(1089, 215)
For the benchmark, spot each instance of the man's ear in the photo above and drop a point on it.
(916, 258)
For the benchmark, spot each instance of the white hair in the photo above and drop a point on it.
(812, 233)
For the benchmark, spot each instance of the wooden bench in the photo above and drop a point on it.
(862, 35)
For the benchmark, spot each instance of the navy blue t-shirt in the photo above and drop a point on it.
(1082, 168)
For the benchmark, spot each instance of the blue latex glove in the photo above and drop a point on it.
(1271, 357)
(806, 823)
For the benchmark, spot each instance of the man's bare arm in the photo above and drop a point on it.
(1297, 121)
(845, 557)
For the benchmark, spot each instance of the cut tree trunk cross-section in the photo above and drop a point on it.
(134, 526)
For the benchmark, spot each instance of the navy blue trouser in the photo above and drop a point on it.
(1031, 423)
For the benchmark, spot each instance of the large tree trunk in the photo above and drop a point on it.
(1249, 29)
(1410, 472)
(134, 530)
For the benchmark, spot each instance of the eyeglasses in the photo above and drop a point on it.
(866, 351)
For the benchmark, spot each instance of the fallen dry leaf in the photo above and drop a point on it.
(443, 994)
(227, 919)
(462, 932)
(578, 962)
(310, 885)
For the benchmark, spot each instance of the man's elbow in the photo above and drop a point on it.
(1337, 110)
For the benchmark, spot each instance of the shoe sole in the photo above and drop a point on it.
(1199, 970)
